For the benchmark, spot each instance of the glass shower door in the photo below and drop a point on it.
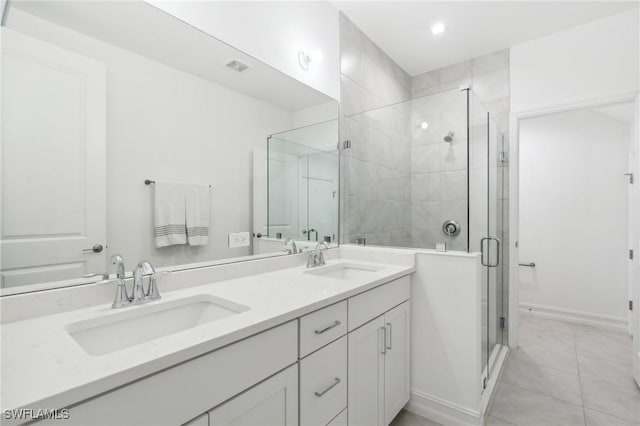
(484, 223)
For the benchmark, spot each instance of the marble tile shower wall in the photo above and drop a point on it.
(376, 190)
(438, 168)
(488, 77)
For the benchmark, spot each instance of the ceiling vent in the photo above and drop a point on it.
(237, 66)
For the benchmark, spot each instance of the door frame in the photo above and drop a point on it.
(514, 188)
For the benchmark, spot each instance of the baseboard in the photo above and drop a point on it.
(443, 412)
(576, 317)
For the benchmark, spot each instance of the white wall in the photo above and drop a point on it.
(594, 60)
(167, 125)
(446, 337)
(272, 32)
(573, 215)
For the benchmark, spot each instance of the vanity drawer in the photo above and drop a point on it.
(370, 304)
(322, 327)
(323, 384)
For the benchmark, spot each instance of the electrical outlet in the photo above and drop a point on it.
(239, 239)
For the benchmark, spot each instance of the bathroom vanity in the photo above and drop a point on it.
(290, 346)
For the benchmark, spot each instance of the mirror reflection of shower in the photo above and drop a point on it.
(449, 136)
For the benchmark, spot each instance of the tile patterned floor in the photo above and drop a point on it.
(567, 374)
(562, 374)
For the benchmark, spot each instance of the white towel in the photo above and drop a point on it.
(169, 214)
(197, 197)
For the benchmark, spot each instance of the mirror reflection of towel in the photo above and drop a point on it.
(197, 214)
(169, 214)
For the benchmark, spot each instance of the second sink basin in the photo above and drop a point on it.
(142, 324)
(343, 271)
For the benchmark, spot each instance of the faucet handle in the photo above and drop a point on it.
(122, 297)
(152, 292)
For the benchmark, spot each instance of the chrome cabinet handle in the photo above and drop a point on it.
(384, 340)
(329, 327)
(390, 337)
(529, 265)
(335, 383)
(97, 248)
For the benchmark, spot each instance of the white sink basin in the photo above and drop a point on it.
(135, 325)
(343, 271)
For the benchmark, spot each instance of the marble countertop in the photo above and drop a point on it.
(43, 367)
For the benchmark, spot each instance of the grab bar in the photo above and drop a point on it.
(528, 265)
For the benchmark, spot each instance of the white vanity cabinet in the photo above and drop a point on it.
(347, 363)
(379, 355)
(272, 402)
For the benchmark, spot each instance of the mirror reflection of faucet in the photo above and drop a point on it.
(293, 249)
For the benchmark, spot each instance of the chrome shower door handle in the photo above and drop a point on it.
(488, 263)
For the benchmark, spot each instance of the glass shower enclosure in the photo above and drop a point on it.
(425, 173)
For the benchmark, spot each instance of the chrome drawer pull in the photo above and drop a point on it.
(329, 327)
(333, 385)
(389, 346)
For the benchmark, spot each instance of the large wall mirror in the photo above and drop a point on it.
(125, 130)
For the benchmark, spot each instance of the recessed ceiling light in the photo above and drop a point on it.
(438, 28)
(424, 125)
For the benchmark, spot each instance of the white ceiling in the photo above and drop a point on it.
(143, 29)
(403, 29)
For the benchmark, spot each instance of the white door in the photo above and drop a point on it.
(53, 163)
(273, 402)
(366, 374)
(573, 215)
(397, 380)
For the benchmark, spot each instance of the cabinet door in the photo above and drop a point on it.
(273, 402)
(397, 380)
(366, 374)
(323, 384)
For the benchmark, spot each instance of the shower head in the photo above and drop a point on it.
(449, 137)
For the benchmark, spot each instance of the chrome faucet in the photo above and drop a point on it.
(316, 257)
(139, 295)
(294, 248)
